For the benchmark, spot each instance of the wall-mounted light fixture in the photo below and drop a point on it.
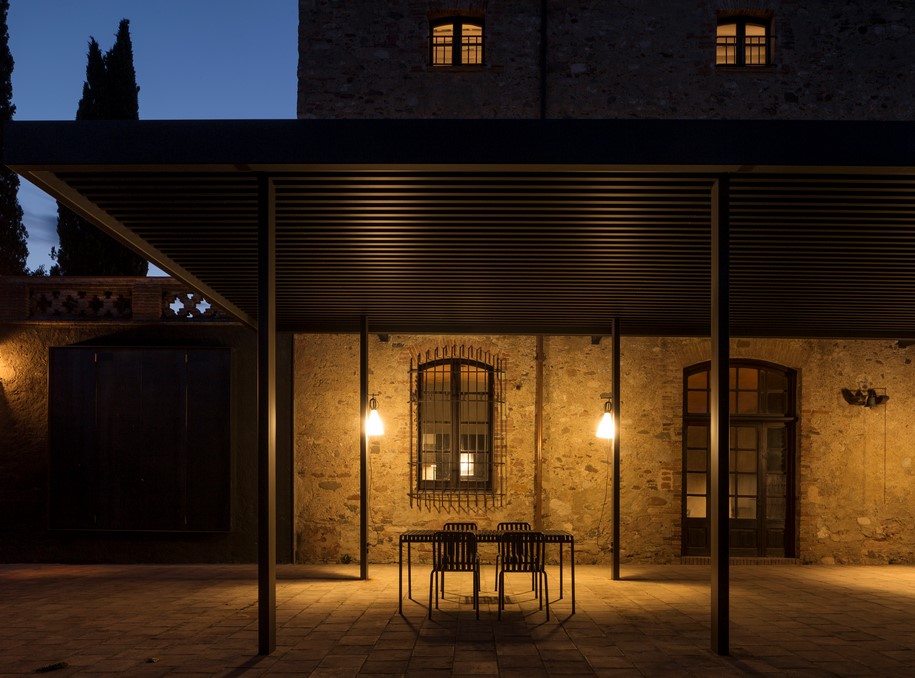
(606, 428)
(373, 425)
(864, 396)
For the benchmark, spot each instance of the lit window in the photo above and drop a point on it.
(743, 41)
(458, 421)
(456, 41)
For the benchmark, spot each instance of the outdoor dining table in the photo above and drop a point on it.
(410, 537)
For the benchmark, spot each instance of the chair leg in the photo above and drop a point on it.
(476, 591)
(497, 573)
(546, 594)
(432, 578)
(501, 588)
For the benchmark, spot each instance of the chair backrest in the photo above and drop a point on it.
(454, 551)
(521, 551)
(465, 526)
(514, 526)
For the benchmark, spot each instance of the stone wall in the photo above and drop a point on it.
(833, 59)
(855, 464)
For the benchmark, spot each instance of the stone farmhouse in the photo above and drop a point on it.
(474, 196)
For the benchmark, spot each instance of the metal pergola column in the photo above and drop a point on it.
(719, 429)
(266, 415)
(615, 392)
(363, 448)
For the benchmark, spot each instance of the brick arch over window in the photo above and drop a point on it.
(762, 459)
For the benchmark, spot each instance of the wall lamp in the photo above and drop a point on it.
(865, 397)
(373, 425)
(606, 428)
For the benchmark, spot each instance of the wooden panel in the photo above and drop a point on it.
(72, 432)
(208, 439)
(140, 439)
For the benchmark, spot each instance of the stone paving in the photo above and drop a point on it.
(149, 621)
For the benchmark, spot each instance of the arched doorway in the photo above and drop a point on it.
(763, 460)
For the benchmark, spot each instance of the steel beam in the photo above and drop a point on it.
(719, 429)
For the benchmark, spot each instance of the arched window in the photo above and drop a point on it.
(762, 460)
(456, 41)
(743, 41)
(459, 422)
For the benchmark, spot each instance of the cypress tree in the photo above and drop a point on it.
(13, 248)
(109, 93)
(123, 103)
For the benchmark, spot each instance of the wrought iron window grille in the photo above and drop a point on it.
(457, 429)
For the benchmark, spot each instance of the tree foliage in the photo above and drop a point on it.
(13, 248)
(109, 93)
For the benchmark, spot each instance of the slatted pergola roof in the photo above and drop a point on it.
(534, 227)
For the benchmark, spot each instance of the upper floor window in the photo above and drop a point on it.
(743, 41)
(456, 41)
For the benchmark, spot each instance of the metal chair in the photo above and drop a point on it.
(510, 527)
(524, 551)
(454, 551)
(466, 526)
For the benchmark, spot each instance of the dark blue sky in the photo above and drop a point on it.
(202, 59)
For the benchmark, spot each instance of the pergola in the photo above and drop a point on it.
(589, 227)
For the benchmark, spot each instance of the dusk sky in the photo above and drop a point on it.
(195, 59)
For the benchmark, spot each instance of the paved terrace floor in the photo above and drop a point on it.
(145, 621)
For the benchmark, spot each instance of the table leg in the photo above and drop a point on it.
(400, 578)
(409, 573)
(572, 557)
(560, 570)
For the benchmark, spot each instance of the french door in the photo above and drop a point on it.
(762, 463)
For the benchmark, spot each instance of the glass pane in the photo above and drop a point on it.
(732, 402)
(776, 484)
(695, 507)
(697, 436)
(776, 436)
(442, 37)
(436, 379)
(746, 438)
(777, 403)
(747, 379)
(726, 39)
(471, 44)
(746, 485)
(731, 507)
(776, 508)
(696, 460)
(697, 380)
(474, 380)
(732, 378)
(732, 483)
(746, 507)
(747, 402)
(746, 461)
(775, 460)
(697, 401)
(755, 51)
(696, 483)
(776, 381)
